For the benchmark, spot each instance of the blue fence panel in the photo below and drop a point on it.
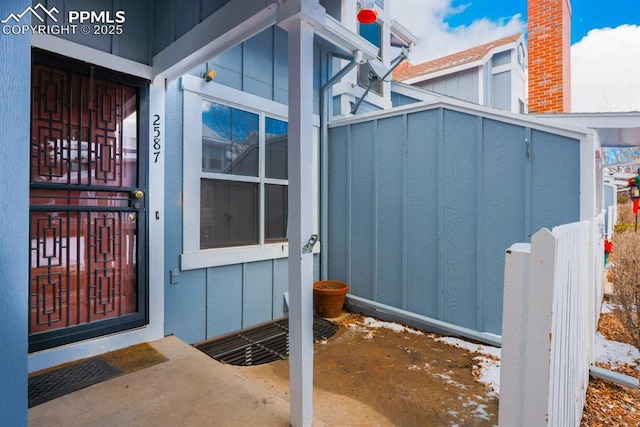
(422, 213)
(389, 207)
(555, 180)
(362, 218)
(501, 212)
(451, 191)
(459, 218)
(339, 228)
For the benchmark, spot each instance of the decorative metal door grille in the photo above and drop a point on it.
(87, 260)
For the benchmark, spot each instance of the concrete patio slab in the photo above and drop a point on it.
(192, 389)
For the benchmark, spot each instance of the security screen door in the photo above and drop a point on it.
(87, 203)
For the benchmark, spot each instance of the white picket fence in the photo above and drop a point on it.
(612, 220)
(552, 296)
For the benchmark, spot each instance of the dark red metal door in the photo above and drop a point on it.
(87, 200)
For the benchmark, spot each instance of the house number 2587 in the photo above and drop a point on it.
(156, 137)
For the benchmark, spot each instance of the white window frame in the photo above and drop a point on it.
(195, 91)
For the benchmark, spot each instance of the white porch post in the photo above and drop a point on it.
(155, 238)
(298, 18)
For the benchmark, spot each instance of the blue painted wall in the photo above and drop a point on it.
(398, 100)
(134, 42)
(15, 70)
(208, 302)
(174, 18)
(259, 66)
(149, 26)
(423, 205)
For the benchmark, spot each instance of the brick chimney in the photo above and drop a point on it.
(549, 33)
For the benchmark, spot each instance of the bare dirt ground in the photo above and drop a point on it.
(411, 379)
(417, 380)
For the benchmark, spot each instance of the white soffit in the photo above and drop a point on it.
(338, 35)
(234, 23)
(401, 36)
(614, 129)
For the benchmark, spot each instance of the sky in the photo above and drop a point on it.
(605, 41)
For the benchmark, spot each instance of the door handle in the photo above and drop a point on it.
(138, 194)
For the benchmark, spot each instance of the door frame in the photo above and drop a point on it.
(74, 333)
(155, 93)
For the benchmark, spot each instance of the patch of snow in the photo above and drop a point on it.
(395, 327)
(474, 348)
(468, 403)
(480, 412)
(607, 307)
(489, 373)
(355, 327)
(616, 353)
(488, 361)
(447, 379)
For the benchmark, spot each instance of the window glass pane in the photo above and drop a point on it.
(276, 149)
(371, 33)
(229, 140)
(276, 212)
(228, 213)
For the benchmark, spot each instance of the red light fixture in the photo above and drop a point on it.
(367, 14)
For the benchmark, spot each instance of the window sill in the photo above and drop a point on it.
(228, 256)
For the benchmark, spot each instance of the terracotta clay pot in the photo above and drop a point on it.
(328, 297)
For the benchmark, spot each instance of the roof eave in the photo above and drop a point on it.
(401, 33)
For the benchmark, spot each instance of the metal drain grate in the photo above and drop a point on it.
(261, 344)
(52, 384)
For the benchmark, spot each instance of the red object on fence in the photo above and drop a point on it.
(636, 202)
(608, 246)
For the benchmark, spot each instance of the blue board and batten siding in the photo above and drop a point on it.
(422, 206)
(134, 43)
(208, 302)
(461, 85)
(15, 86)
(148, 27)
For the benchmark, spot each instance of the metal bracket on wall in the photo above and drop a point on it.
(308, 248)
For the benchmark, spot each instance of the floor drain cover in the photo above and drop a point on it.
(59, 382)
(261, 344)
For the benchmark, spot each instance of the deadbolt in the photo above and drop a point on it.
(138, 194)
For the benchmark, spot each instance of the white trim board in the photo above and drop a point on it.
(443, 101)
(91, 55)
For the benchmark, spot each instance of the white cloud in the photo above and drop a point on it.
(425, 19)
(605, 64)
(605, 70)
